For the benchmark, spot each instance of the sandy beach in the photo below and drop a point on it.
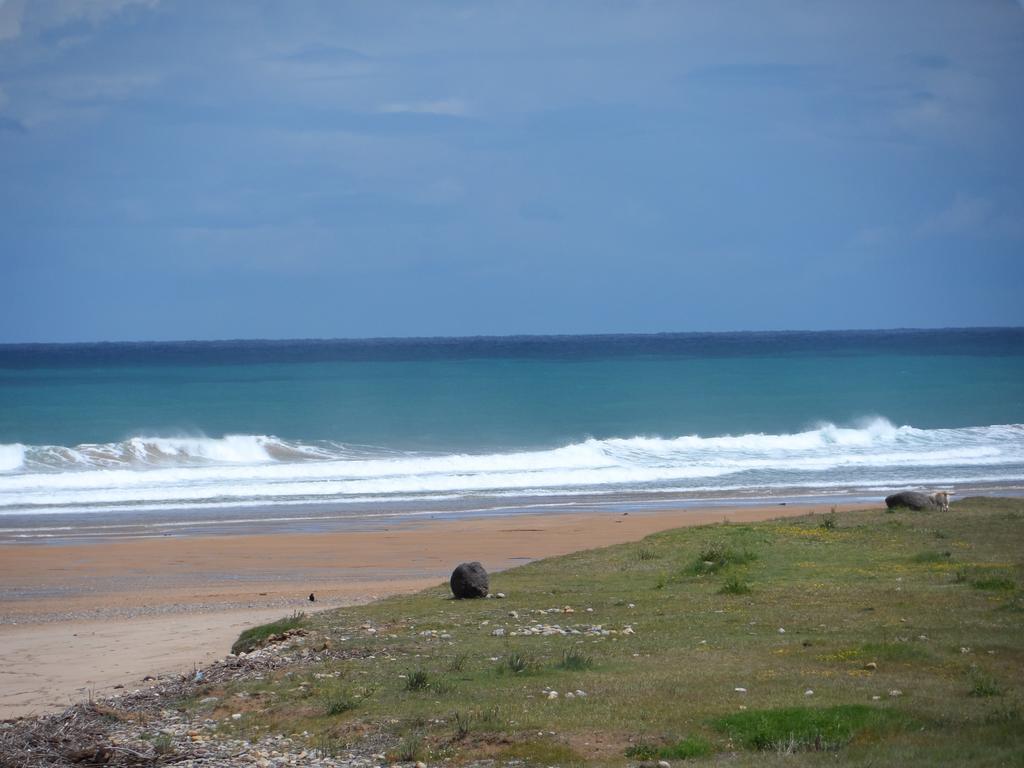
(85, 619)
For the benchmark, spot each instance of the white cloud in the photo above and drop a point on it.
(10, 18)
(17, 15)
(454, 107)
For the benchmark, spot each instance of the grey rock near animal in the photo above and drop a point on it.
(469, 580)
(911, 500)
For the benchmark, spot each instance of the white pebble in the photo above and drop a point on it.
(236, 716)
(740, 690)
(782, 631)
(552, 694)
(808, 692)
(895, 692)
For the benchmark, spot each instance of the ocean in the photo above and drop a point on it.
(158, 438)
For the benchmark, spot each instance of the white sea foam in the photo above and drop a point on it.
(244, 470)
(11, 456)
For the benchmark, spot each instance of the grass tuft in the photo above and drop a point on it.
(338, 701)
(409, 749)
(717, 556)
(734, 585)
(256, 637)
(515, 663)
(417, 680)
(644, 552)
(575, 660)
(984, 686)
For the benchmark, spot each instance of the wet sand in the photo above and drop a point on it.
(83, 618)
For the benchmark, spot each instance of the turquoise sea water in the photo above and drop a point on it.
(164, 429)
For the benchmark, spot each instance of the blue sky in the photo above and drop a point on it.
(177, 170)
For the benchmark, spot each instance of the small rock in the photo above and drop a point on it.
(740, 690)
(782, 631)
(808, 692)
(500, 595)
(552, 694)
(581, 693)
(664, 764)
(420, 764)
(236, 716)
(499, 632)
(871, 666)
(895, 692)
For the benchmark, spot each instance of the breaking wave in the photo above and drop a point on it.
(246, 470)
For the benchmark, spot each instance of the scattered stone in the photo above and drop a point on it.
(782, 631)
(664, 764)
(499, 632)
(552, 694)
(469, 580)
(740, 690)
(895, 693)
(871, 666)
(808, 692)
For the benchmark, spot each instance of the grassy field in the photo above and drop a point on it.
(865, 638)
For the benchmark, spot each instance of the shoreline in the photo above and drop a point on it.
(89, 528)
(160, 606)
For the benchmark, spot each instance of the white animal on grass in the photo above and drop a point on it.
(941, 499)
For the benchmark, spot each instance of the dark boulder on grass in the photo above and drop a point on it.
(911, 500)
(469, 580)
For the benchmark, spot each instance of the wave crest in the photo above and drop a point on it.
(261, 469)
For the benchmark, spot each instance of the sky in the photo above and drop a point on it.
(173, 169)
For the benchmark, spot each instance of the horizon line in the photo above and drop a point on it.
(510, 336)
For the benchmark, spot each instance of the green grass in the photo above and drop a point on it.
(995, 584)
(718, 555)
(874, 629)
(734, 585)
(690, 747)
(984, 686)
(930, 556)
(575, 660)
(418, 680)
(256, 637)
(798, 729)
